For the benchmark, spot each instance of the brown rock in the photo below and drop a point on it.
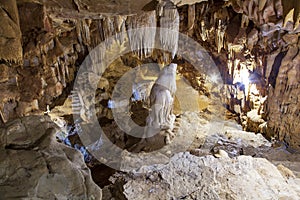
(31, 16)
(26, 108)
(291, 38)
(4, 73)
(283, 102)
(10, 33)
(35, 166)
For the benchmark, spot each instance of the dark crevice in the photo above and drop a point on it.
(275, 68)
(101, 173)
(8, 14)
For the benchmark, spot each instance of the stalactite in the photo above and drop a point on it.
(236, 71)
(203, 31)
(100, 30)
(230, 51)
(141, 33)
(67, 67)
(58, 75)
(85, 32)
(78, 32)
(191, 18)
(220, 36)
(63, 73)
(120, 27)
(4, 119)
(169, 21)
(108, 30)
(230, 66)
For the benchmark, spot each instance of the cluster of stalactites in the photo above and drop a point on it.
(141, 33)
(169, 24)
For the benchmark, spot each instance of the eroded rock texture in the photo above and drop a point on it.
(283, 102)
(35, 166)
(254, 44)
(190, 177)
(10, 33)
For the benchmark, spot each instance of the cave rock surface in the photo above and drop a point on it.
(34, 166)
(191, 177)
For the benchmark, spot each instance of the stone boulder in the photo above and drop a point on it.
(35, 166)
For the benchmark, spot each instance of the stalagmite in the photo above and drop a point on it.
(289, 18)
(162, 94)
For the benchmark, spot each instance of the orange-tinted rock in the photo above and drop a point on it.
(10, 33)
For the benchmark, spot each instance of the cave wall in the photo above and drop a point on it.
(261, 38)
(43, 45)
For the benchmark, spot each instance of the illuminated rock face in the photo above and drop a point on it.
(187, 176)
(161, 115)
(260, 84)
(247, 43)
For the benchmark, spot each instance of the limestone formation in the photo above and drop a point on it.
(161, 115)
(36, 166)
(190, 177)
(254, 44)
(54, 44)
(10, 33)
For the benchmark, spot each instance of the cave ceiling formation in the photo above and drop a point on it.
(254, 44)
(44, 42)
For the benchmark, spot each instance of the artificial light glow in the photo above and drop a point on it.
(245, 77)
(214, 78)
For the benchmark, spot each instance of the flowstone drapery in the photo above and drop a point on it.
(161, 115)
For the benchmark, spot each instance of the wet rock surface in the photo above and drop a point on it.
(35, 166)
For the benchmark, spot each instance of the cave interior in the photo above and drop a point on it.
(150, 99)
